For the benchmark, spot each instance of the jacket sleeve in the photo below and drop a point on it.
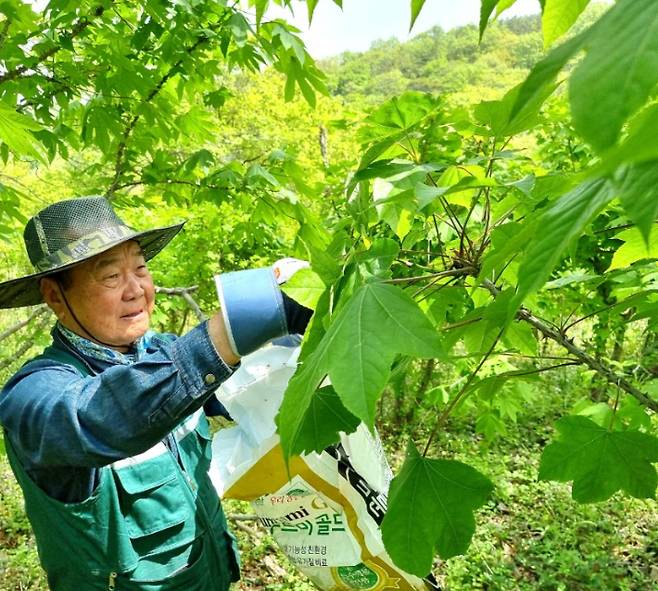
(58, 418)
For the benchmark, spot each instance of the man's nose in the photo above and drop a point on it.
(134, 287)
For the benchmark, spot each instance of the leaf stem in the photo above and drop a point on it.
(431, 276)
(462, 393)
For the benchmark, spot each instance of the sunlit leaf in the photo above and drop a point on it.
(558, 16)
(500, 116)
(543, 75)
(633, 249)
(311, 4)
(15, 132)
(305, 287)
(486, 8)
(638, 193)
(416, 7)
(560, 225)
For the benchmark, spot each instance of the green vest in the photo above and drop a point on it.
(154, 522)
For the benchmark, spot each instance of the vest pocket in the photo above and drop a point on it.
(151, 497)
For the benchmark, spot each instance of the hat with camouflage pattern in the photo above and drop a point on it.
(69, 232)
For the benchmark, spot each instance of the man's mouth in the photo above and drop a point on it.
(133, 315)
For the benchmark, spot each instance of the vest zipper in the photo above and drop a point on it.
(111, 582)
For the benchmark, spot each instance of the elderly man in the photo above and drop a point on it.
(105, 430)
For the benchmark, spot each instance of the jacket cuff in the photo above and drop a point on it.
(199, 364)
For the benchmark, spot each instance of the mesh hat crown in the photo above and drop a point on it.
(69, 232)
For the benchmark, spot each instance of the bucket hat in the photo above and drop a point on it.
(69, 232)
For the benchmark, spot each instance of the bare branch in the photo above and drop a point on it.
(184, 292)
(23, 323)
(27, 343)
(241, 517)
(578, 353)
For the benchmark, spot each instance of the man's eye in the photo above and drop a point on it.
(111, 277)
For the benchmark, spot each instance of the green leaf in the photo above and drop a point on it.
(392, 122)
(377, 323)
(618, 73)
(503, 5)
(261, 6)
(430, 510)
(633, 249)
(558, 16)
(638, 146)
(15, 132)
(638, 193)
(416, 6)
(311, 4)
(305, 287)
(426, 194)
(600, 462)
(377, 260)
(501, 117)
(325, 418)
(560, 225)
(486, 8)
(544, 73)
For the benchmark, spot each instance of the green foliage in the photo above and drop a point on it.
(619, 72)
(356, 354)
(561, 224)
(431, 509)
(471, 227)
(601, 461)
(558, 17)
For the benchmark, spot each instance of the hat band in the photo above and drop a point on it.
(84, 248)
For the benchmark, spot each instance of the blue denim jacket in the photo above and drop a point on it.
(64, 427)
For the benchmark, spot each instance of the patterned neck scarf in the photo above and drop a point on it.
(103, 353)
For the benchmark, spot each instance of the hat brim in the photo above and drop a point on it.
(25, 291)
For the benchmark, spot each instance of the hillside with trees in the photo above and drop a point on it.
(480, 221)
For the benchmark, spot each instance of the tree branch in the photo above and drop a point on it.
(432, 276)
(184, 292)
(23, 323)
(582, 356)
(462, 393)
(123, 143)
(78, 28)
(27, 343)
(5, 31)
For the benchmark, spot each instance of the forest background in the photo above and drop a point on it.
(411, 172)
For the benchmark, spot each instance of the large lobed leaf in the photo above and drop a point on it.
(379, 322)
(430, 509)
(619, 72)
(599, 461)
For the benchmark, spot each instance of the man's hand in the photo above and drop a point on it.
(255, 310)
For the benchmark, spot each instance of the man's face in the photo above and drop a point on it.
(112, 295)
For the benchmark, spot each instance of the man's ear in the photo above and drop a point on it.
(51, 292)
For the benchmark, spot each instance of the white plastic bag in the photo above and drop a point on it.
(326, 516)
